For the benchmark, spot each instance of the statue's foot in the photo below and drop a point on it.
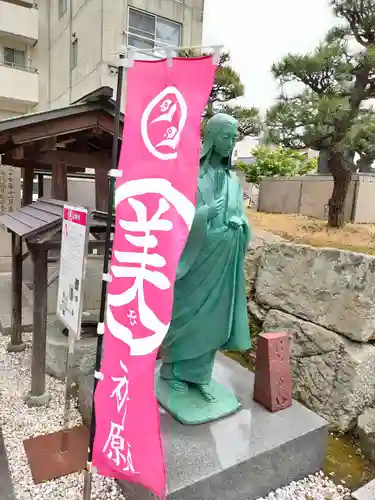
(178, 385)
(205, 390)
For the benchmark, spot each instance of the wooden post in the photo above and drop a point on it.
(16, 344)
(59, 186)
(101, 189)
(28, 185)
(40, 185)
(38, 396)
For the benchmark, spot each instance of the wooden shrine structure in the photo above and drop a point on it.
(62, 141)
(59, 142)
(39, 225)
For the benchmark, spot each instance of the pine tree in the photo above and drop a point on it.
(327, 113)
(227, 87)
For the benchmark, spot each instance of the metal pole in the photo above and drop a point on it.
(68, 387)
(116, 136)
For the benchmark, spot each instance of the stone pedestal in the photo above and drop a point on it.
(242, 457)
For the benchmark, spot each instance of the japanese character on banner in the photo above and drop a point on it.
(117, 448)
(144, 264)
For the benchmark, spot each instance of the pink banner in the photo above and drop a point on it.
(155, 199)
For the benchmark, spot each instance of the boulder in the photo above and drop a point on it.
(332, 375)
(366, 433)
(256, 311)
(331, 288)
(252, 259)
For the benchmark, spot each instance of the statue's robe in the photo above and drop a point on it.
(209, 311)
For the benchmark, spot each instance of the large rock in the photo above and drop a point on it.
(253, 257)
(251, 264)
(331, 375)
(366, 433)
(332, 288)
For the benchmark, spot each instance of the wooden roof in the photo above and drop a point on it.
(79, 135)
(37, 221)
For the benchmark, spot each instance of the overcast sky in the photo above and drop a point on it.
(260, 32)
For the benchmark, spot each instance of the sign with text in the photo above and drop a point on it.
(74, 239)
(155, 207)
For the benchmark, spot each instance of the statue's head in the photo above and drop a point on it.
(220, 137)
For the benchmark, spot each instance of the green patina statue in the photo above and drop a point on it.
(209, 311)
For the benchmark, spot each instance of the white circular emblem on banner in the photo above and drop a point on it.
(150, 267)
(170, 103)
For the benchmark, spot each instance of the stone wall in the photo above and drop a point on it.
(324, 299)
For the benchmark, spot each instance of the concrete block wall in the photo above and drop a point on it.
(309, 195)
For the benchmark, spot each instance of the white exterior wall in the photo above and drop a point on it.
(19, 82)
(99, 26)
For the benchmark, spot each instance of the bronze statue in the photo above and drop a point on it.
(209, 311)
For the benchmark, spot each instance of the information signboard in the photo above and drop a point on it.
(74, 240)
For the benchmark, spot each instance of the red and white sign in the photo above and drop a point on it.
(72, 267)
(155, 205)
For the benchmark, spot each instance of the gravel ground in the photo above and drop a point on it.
(315, 487)
(19, 422)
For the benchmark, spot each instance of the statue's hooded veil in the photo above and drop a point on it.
(212, 130)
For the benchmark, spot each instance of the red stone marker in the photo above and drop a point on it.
(273, 374)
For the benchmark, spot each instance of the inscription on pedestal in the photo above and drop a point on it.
(273, 375)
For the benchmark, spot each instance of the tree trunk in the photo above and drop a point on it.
(341, 180)
(323, 168)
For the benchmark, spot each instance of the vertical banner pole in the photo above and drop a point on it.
(120, 80)
(68, 387)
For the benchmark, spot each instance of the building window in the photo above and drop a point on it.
(147, 31)
(14, 57)
(74, 60)
(63, 5)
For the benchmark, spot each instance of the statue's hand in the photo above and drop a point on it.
(215, 208)
(235, 222)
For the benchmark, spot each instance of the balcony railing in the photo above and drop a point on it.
(145, 41)
(21, 67)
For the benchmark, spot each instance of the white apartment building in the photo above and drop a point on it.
(53, 52)
(79, 39)
(19, 79)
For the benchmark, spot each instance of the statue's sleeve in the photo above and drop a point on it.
(245, 218)
(196, 238)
